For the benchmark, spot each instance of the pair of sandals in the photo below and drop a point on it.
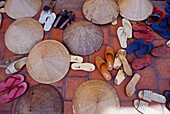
(140, 48)
(14, 86)
(13, 64)
(124, 32)
(143, 32)
(123, 67)
(147, 96)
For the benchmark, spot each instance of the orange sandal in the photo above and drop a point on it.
(101, 65)
(109, 55)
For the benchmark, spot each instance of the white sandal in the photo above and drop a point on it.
(43, 17)
(122, 36)
(127, 27)
(83, 66)
(49, 22)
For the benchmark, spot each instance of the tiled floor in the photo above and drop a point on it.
(155, 77)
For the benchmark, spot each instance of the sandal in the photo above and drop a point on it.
(49, 22)
(141, 63)
(101, 65)
(122, 36)
(144, 36)
(83, 66)
(44, 16)
(120, 77)
(141, 28)
(109, 55)
(131, 86)
(149, 96)
(50, 6)
(127, 27)
(11, 81)
(7, 61)
(59, 16)
(13, 93)
(16, 66)
(117, 63)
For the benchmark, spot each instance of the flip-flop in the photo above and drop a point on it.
(109, 55)
(143, 107)
(117, 63)
(122, 36)
(120, 77)
(144, 36)
(126, 67)
(134, 46)
(149, 96)
(16, 66)
(43, 16)
(161, 50)
(127, 27)
(11, 81)
(141, 28)
(49, 22)
(144, 50)
(83, 66)
(167, 9)
(141, 63)
(67, 20)
(131, 86)
(13, 93)
(76, 59)
(164, 23)
(7, 61)
(59, 16)
(101, 65)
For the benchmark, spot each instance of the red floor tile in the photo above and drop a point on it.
(68, 108)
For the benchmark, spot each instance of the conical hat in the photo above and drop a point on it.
(100, 11)
(48, 61)
(96, 97)
(22, 8)
(83, 37)
(23, 34)
(135, 10)
(40, 99)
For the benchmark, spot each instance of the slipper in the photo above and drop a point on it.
(101, 65)
(59, 16)
(146, 49)
(7, 61)
(11, 81)
(76, 59)
(164, 23)
(122, 36)
(157, 15)
(144, 36)
(127, 27)
(83, 66)
(43, 16)
(120, 77)
(49, 6)
(143, 107)
(149, 96)
(16, 66)
(114, 22)
(117, 63)
(167, 95)
(109, 55)
(49, 22)
(141, 28)
(131, 86)
(67, 20)
(15, 92)
(134, 46)
(126, 67)
(160, 51)
(141, 63)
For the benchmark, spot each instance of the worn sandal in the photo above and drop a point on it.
(149, 96)
(49, 22)
(127, 27)
(141, 28)
(144, 36)
(122, 36)
(131, 86)
(101, 65)
(120, 77)
(83, 66)
(141, 63)
(109, 55)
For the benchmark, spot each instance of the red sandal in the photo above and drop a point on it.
(141, 63)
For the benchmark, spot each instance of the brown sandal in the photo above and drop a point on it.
(109, 55)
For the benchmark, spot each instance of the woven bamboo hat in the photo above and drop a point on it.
(96, 97)
(135, 10)
(83, 37)
(23, 34)
(40, 99)
(100, 11)
(48, 62)
(22, 8)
